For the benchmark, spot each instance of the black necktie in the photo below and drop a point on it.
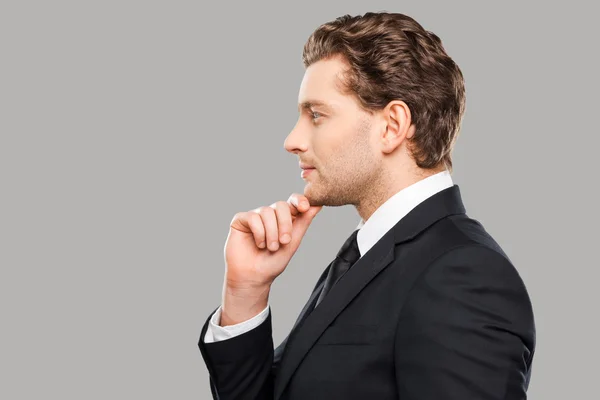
(345, 258)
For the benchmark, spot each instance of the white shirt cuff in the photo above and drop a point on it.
(216, 333)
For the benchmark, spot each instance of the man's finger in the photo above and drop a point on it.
(299, 202)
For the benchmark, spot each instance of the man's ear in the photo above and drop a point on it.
(397, 125)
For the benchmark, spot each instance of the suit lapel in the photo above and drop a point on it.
(312, 323)
(310, 304)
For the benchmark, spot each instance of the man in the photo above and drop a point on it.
(421, 302)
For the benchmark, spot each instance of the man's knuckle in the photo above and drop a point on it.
(263, 210)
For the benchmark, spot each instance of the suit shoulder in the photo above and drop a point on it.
(458, 231)
(462, 239)
(474, 233)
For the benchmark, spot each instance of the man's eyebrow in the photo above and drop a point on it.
(307, 105)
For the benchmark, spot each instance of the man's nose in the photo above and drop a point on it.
(296, 141)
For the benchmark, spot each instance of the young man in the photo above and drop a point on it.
(421, 302)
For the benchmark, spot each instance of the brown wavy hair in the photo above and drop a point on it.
(392, 57)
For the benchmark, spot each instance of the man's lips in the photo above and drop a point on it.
(306, 172)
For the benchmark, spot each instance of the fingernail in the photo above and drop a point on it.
(285, 238)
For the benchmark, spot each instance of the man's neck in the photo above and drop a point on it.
(388, 186)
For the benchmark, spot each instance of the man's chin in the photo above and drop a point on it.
(311, 198)
(315, 201)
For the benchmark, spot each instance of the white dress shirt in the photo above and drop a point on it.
(378, 224)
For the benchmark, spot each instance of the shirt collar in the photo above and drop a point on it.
(397, 206)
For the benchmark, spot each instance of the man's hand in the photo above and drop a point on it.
(260, 245)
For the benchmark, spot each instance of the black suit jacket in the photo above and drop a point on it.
(434, 310)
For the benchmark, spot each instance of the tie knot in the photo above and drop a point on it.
(349, 251)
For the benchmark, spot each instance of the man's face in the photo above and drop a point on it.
(334, 135)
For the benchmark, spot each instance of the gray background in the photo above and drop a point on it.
(133, 131)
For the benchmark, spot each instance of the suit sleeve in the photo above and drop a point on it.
(466, 330)
(244, 367)
(241, 367)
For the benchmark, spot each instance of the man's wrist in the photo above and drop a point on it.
(242, 303)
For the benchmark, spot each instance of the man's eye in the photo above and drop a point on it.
(315, 115)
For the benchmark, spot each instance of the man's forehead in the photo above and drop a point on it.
(323, 75)
(320, 85)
